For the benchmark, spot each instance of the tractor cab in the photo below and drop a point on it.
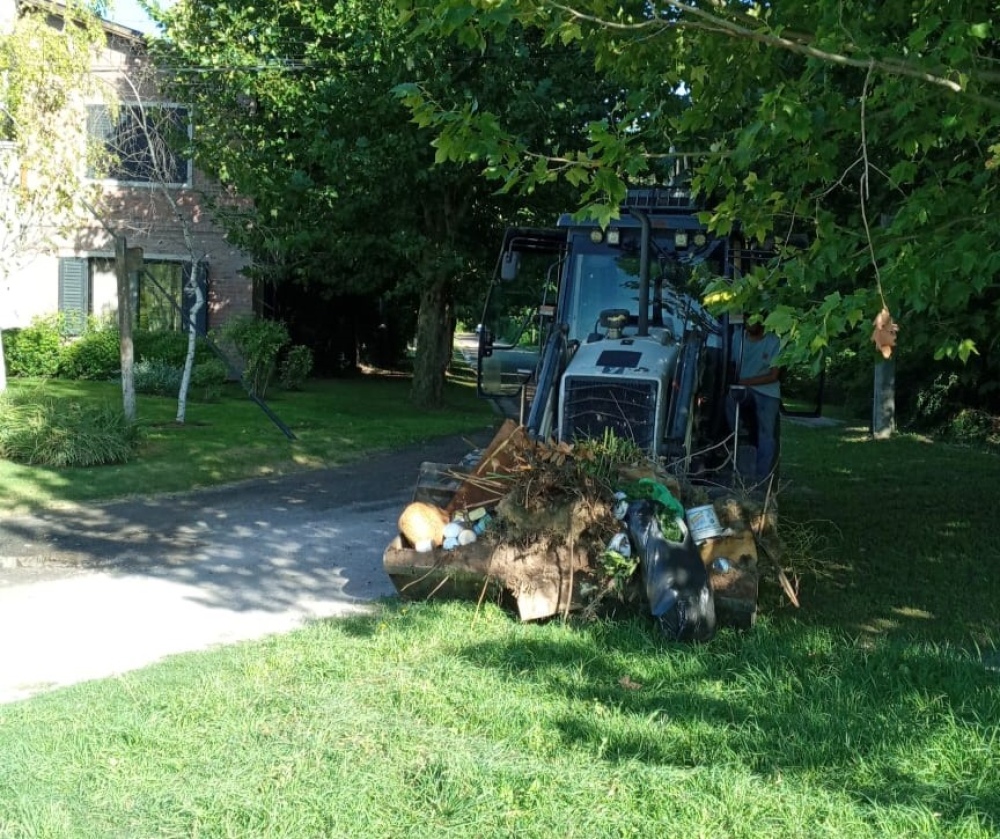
(616, 337)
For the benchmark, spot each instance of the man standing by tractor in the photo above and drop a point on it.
(756, 394)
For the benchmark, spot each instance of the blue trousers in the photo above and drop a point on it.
(765, 412)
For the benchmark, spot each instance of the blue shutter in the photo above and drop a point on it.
(74, 293)
(201, 322)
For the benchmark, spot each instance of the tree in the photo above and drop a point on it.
(44, 79)
(872, 129)
(147, 141)
(295, 108)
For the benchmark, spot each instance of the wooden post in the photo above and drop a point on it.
(123, 278)
(884, 400)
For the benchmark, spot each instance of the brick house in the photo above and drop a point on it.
(161, 211)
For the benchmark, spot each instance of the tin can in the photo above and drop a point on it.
(703, 523)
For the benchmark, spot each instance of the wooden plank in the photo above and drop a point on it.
(543, 579)
(498, 459)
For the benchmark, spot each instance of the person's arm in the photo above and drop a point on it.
(765, 350)
(772, 375)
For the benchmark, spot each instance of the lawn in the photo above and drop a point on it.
(452, 721)
(871, 711)
(233, 439)
(894, 537)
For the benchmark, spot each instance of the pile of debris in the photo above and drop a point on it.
(593, 528)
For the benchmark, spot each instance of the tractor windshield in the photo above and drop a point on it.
(607, 279)
(598, 282)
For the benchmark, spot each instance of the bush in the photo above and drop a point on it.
(295, 367)
(973, 427)
(258, 342)
(94, 355)
(45, 431)
(208, 378)
(35, 350)
(168, 347)
(937, 401)
(156, 378)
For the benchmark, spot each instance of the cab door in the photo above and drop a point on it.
(518, 311)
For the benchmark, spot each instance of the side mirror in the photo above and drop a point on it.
(509, 265)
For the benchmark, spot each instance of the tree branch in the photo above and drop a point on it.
(713, 23)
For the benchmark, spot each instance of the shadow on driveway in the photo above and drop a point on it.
(95, 590)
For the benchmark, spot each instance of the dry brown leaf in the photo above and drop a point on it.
(884, 333)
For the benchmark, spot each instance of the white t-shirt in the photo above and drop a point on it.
(758, 357)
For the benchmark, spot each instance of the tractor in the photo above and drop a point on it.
(599, 331)
(620, 341)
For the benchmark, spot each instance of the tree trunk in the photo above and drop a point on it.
(435, 331)
(192, 328)
(884, 400)
(124, 279)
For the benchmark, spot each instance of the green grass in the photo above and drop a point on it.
(871, 711)
(437, 721)
(892, 537)
(334, 422)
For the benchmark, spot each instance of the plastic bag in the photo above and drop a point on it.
(648, 489)
(676, 580)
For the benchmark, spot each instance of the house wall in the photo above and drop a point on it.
(32, 291)
(172, 227)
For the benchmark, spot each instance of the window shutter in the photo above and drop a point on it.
(74, 297)
(201, 321)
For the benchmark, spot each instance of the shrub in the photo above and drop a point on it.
(258, 342)
(45, 431)
(974, 427)
(156, 378)
(35, 350)
(208, 378)
(295, 367)
(168, 347)
(94, 355)
(937, 400)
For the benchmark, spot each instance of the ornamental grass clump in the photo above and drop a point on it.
(295, 367)
(39, 430)
(157, 378)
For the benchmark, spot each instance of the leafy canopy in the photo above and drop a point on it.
(867, 133)
(44, 78)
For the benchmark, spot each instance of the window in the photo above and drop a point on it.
(141, 144)
(161, 286)
(161, 302)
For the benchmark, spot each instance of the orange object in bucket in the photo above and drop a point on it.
(703, 523)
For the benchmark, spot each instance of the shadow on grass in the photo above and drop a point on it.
(894, 724)
(890, 538)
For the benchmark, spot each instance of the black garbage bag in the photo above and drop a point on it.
(677, 584)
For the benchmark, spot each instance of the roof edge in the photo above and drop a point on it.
(60, 10)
